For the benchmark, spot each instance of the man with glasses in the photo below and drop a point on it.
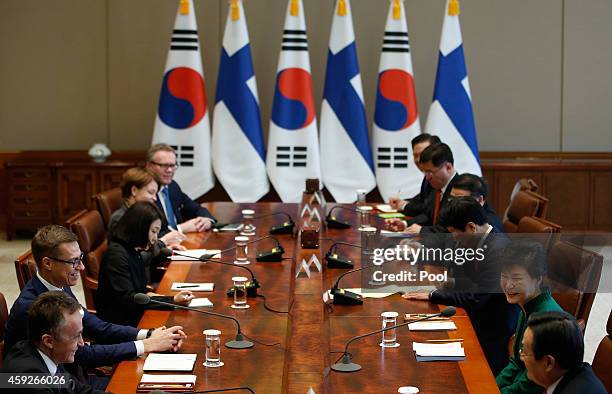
(553, 350)
(59, 263)
(437, 163)
(55, 331)
(182, 213)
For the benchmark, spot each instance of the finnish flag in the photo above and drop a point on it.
(182, 119)
(346, 157)
(293, 144)
(238, 147)
(450, 115)
(396, 116)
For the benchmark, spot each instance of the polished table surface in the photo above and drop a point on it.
(294, 351)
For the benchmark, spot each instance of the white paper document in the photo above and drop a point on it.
(191, 286)
(194, 254)
(196, 302)
(150, 378)
(432, 326)
(386, 208)
(453, 349)
(170, 362)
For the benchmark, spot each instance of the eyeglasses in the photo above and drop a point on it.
(75, 262)
(523, 354)
(173, 166)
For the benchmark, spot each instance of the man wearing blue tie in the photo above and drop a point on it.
(182, 213)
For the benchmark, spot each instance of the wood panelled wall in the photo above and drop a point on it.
(578, 185)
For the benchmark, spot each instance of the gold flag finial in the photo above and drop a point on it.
(235, 10)
(184, 7)
(294, 9)
(397, 9)
(341, 7)
(453, 7)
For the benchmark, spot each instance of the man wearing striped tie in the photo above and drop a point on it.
(437, 163)
(182, 213)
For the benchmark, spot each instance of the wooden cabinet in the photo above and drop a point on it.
(44, 192)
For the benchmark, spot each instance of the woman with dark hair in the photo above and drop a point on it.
(122, 272)
(523, 271)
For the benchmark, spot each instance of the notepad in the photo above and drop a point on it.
(432, 326)
(391, 215)
(438, 352)
(196, 302)
(385, 208)
(178, 286)
(194, 254)
(170, 362)
(167, 383)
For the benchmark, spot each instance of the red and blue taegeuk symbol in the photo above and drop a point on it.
(396, 107)
(182, 102)
(293, 106)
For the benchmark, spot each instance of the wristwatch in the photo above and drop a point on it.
(149, 332)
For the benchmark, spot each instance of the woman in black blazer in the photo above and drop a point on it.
(122, 272)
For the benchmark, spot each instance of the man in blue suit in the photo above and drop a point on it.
(182, 213)
(59, 263)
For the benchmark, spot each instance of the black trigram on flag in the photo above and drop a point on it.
(291, 156)
(184, 40)
(294, 40)
(396, 41)
(388, 157)
(185, 155)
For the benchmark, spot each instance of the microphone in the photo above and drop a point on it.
(348, 366)
(273, 255)
(334, 222)
(343, 297)
(336, 261)
(246, 388)
(284, 228)
(251, 286)
(238, 343)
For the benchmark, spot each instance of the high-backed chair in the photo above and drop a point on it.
(25, 268)
(573, 277)
(534, 225)
(3, 318)
(91, 234)
(524, 184)
(524, 203)
(108, 202)
(603, 358)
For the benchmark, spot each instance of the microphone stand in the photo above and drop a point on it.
(238, 343)
(284, 228)
(251, 287)
(276, 254)
(334, 222)
(348, 366)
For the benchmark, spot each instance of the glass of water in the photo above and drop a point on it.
(242, 250)
(389, 337)
(247, 228)
(361, 196)
(364, 216)
(212, 342)
(240, 296)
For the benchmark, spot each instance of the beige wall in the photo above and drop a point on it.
(74, 72)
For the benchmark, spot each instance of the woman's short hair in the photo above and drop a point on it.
(133, 227)
(527, 254)
(135, 176)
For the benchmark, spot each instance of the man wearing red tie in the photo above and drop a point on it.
(437, 164)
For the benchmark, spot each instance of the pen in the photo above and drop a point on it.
(187, 286)
(445, 340)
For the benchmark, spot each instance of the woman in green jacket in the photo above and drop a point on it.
(523, 270)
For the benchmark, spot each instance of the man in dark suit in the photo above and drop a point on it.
(59, 263)
(553, 350)
(182, 213)
(416, 205)
(55, 331)
(474, 283)
(437, 163)
(470, 185)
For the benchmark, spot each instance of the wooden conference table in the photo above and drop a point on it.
(302, 341)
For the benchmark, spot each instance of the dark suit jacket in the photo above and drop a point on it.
(24, 358)
(426, 217)
(122, 275)
(580, 380)
(113, 342)
(184, 207)
(478, 291)
(416, 205)
(493, 219)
